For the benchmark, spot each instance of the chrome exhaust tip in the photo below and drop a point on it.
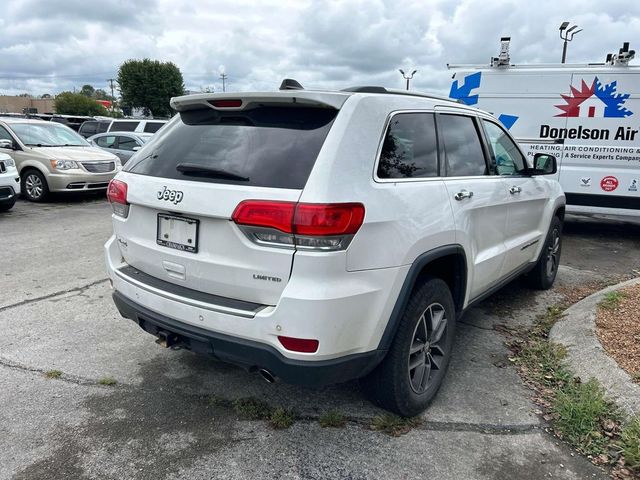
(267, 375)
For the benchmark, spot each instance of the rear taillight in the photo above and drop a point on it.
(302, 225)
(117, 195)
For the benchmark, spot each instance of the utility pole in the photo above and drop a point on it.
(407, 77)
(223, 76)
(111, 80)
(568, 36)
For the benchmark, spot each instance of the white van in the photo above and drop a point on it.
(588, 116)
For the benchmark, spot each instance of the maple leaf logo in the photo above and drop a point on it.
(572, 108)
(613, 102)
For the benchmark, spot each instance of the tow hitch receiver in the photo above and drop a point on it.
(166, 339)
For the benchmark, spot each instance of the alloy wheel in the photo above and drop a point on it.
(426, 354)
(33, 185)
(553, 253)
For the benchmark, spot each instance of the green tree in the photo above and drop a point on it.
(68, 103)
(150, 84)
(87, 91)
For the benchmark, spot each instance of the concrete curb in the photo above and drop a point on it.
(586, 356)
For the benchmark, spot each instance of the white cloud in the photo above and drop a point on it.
(51, 45)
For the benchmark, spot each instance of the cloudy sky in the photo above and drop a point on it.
(47, 46)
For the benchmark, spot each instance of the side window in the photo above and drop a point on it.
(123, 126)
(103, 126)
(106, 142)
(88, 128)
(126, 143)
(5, 135)
(152, 127)
(410, 148)
(464, 152)
(506, 155)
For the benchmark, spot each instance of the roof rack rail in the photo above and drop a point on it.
(393, 91)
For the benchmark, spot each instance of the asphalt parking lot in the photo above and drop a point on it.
(159, 420)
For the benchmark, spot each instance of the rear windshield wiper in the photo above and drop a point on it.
(202, 170)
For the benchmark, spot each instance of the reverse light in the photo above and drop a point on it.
(302, 345)
(117, 195)
(302, 225)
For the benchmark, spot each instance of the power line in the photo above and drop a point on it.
(111, 80)
(223, 76)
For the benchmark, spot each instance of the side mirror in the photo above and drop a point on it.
(544, 164)
(4, 143)
(135, 149)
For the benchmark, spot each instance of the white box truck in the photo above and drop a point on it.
(588, 116)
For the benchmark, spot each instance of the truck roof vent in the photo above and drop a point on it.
(503, 59)
(623, 57)
(290, 84)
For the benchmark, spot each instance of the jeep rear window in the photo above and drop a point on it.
(270, 146)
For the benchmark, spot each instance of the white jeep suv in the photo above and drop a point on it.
(9, 182)
(319, 237)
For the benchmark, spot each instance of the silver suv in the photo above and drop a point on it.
(319, 237)
(51, 157)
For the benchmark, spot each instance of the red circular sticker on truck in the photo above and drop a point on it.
(609, 184)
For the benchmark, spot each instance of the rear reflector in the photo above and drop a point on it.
(226, 103)
(117, 195)
(302, 345)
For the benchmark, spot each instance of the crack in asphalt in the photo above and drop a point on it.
(28, 301)
(427, 425)
(492, 329)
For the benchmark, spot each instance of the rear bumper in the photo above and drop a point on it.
(249, 354)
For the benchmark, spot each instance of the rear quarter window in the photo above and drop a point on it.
(152, 127)
(123, 126)
(269, 146)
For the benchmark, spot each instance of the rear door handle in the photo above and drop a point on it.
(462, 194)
(513, 190)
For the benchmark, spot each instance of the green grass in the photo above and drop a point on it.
(53, 374)
(282, 418)
(611, 300)
(581, 410)
(393, 424)
(630, 443)
(333, 419)
(108, 381)
(252, 408)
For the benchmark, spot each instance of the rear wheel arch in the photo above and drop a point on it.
(448, 263)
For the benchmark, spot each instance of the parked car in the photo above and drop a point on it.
(9, 181)
(122, 144)
(319, 237)
(51, 157)
(91, 127)
(72, 121)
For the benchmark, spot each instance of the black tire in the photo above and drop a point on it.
(394, 385)
(34, 185)
(544, 273)
(7, 204)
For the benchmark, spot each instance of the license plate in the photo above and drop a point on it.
(176, 232)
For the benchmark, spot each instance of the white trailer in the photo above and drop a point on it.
(588, 116)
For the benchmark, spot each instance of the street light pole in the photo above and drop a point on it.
(407, 77)
(567, 37)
